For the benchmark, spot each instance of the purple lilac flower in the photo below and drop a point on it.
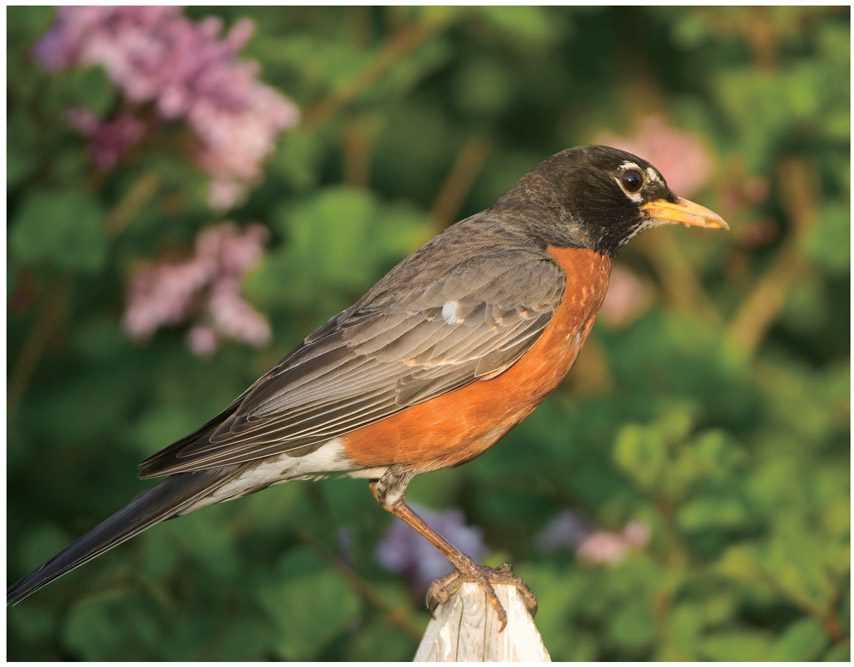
(575, 531)
(405, 552)
(108, 139)
(681, 157)
(566, 531)
(204, 288)
(157, 55)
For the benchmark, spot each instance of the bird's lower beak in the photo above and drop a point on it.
(683, 212)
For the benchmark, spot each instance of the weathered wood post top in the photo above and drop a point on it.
(466, 629)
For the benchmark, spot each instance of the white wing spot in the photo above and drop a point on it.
(449, 312)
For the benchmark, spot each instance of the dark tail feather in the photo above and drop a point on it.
(150, 507)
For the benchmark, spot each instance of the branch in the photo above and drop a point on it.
(131, 204)
(679, 280)
(760, 309)
(388, 57)
(53, 311)
(458, 182)
(395, 615)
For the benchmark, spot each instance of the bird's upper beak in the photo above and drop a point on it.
(683, 212)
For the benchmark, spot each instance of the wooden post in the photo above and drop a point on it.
(466, 630)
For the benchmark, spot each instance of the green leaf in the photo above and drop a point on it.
(29, 23)
(21, 154)
(41, 543)
(828, 243)
(712, 512)
(839, 653)
(803, 640)
(245, 635)
(36, 624)
(633, 626)
(640, 454)
(337, 242)
(62, 228)
(310, 603)
(90, 631)
(559, 594)
(737, 646)
(483, 86)
(685, 628)
(380, 637)
(524, 23)
(86, 87)
(297, 159)
(743, 562)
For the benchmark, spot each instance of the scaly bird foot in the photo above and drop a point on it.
(442, 589)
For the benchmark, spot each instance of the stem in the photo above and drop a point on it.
(386, 59)
(358, 142)
(45, 327)
(761, 308)
(459, 181)
(395, 615)
(829, 620)
(678, 278)
(130, 205)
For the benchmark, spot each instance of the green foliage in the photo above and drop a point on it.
(321, 232)
(63, 229)
(87, 88)
(721, 427)
(307, 589)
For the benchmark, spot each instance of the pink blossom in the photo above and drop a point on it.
(108, 139)
(627, 298)
(202, 340)
(574, 530)
(233, 317)
(204, 288)
(603, 546)
(637, 534)
(681, 157)
(190, 74)
(223, 194)
(163, 293)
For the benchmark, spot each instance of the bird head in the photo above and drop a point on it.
(599, 197)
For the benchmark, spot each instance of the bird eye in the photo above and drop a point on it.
(631, 180)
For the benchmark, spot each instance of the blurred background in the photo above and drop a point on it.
(191, 192)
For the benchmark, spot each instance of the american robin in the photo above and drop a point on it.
(450, 350)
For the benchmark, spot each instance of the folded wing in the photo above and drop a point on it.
(398, 346)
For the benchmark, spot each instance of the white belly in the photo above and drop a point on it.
(327, 460)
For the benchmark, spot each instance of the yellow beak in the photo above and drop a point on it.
(683, 212)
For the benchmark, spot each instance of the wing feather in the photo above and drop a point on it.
(381, 356)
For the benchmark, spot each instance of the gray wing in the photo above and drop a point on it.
(410, 339)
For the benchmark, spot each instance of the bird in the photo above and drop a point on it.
(446, 353)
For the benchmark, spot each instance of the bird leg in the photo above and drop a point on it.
(390, 492)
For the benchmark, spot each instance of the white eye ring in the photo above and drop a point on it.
(625, 168)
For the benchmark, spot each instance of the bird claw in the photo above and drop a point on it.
(442, 589)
